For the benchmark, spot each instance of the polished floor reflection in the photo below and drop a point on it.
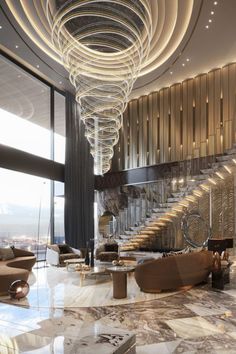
(53, 320)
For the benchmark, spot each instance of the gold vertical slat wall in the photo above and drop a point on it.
(190, 119)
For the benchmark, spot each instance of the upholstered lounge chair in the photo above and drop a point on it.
(107, 252)
(57, 254)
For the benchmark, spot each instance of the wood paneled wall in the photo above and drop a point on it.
(194, 118)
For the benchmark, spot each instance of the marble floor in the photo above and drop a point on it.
(58, 288)
(53, 320)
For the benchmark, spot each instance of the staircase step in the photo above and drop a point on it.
(207, 171)
(178, 194)
(219, 164)
(173, 200)
(230, 151)
(223, 158)
(126, 237)
(199, 178)
(135, 228)
(161, 210)
(129, 232)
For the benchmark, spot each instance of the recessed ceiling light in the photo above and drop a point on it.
(183, 64)
(215, 2)
(0, 27)
(171, 72)
(212, 12)
(187, 59)
(210, 20)
(207, 26)
(16, 46)
(37, 66)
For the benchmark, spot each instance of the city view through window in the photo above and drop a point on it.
(25, 212)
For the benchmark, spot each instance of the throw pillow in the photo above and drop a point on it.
(6, 253)
(64, 249)
(196, 249)
(172, 254)
(111, 247)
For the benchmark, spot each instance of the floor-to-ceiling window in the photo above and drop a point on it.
(24, 111)
(30, 205)
(24, 211)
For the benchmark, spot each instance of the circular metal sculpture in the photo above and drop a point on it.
(18, 289)
(195, 230)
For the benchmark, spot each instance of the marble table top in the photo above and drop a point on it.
(125, 269)
(74, 260)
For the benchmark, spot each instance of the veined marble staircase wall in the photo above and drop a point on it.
(131, 205)
(149, 216)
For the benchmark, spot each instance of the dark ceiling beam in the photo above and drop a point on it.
(17, 160)
(153, 173)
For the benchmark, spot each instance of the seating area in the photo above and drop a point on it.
(153, 274)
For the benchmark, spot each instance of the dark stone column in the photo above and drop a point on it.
(79, 180)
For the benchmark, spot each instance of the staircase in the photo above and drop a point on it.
(159, 222)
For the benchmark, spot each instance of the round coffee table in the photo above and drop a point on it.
(73, 261)
(94, 271)
(119, 277)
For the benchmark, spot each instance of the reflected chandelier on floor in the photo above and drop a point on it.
(103, 45)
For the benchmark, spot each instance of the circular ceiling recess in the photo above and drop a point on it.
(170, 21)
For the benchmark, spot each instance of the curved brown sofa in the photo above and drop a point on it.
(17, 268)
(174, 271)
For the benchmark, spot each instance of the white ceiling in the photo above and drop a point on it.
(206, 48)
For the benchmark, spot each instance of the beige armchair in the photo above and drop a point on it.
(57, 254)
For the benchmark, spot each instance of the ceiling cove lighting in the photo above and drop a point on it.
(170, 21)
(103, 45)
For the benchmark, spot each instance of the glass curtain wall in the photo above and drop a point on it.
(27, 205)
(24, 111)
(24, 211)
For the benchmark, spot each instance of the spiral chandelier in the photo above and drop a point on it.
(103, 44)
